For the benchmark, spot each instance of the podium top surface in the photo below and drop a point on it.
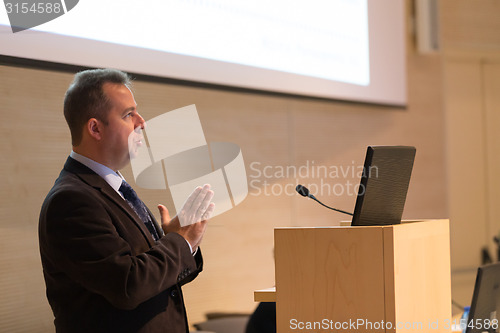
(347, 224)
(265, 295)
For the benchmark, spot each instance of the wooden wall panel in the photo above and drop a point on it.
(466, 160)
(470, 25)
(33, 151)
(470, 39)
(272, 131)
(491, 78)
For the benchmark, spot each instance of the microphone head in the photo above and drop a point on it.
(302, 190)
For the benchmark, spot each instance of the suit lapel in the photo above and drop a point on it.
(91, 178)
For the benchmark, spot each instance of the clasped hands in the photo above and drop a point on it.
(190, 222)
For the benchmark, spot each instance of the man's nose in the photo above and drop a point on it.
(140, 121)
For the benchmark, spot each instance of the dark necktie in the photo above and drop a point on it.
(139, 207)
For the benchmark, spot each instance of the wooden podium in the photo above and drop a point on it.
(363, 279)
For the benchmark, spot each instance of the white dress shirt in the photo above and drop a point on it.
(114, 179)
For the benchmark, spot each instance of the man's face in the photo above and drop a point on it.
(123, 118)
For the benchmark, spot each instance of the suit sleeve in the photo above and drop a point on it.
(78, 237)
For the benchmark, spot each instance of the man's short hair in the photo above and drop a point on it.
(85, 98)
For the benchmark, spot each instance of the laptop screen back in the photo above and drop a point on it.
(384, 185)
(484, 310)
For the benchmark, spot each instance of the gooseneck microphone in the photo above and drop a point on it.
(304, 191)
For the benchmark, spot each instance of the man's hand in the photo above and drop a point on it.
(198, 206)
(191, 220)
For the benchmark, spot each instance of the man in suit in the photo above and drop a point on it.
(108, 265)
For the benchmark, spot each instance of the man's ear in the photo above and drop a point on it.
(94, 128)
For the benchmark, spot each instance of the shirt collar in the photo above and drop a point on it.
(114, 179)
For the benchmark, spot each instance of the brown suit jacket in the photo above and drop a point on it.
(102, 268)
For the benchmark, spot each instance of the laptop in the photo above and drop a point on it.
(384, 185)
(485, 306)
